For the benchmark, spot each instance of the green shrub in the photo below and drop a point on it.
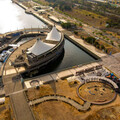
(90, 40)
(76, 32)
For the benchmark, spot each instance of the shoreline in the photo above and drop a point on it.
(90, 51)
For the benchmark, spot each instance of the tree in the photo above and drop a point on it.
(66, 25)
(102, 47)
(76, 32)
(90, 40)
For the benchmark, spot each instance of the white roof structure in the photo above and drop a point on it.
(54, 18)
(54, 35)
(2, 100)
(40, 47)
(41, 11)
(62, 20)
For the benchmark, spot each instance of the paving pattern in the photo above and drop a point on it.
(73, 103)
(20, 107)
(112, 63)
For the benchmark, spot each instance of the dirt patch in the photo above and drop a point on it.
(62, 87)
(97, 92)
(6, 112)
(55, 110)
(88, 17)
(110, 113)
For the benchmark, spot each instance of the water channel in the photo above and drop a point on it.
(13, 17)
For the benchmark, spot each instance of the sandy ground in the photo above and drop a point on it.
(110, 113)
(62, 87)
(6, 112)
(62, 111)
(57, 110)
(96, 92)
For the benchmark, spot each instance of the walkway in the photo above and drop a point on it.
(11, 83)
(73, 103)
(98, 78)
(112, 62)
(20, 106)
(88, 46)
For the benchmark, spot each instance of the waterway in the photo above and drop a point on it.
(13, 17)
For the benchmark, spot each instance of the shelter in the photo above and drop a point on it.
(2, 100)
(41, 11)
(40, 47)
(54, 35)
(55, 19)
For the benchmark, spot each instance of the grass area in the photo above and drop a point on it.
(110, 113)
(62, 87)
(6, 112)
(27, 4)
(109, 47)
(55, 110)
(113, 34)
(85, 16)
(102, 93)
(58, 110)
(42, 2)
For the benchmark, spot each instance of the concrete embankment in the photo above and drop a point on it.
(83, 48)
(24, 7)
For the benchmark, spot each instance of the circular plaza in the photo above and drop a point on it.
(96, 92)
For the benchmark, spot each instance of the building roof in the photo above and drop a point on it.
(40, 47)
(41, 11)
(54, 35)
(62, 20)
(54, 18)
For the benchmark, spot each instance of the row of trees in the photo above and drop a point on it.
(62, 5)
(94, 42)
(105, 9)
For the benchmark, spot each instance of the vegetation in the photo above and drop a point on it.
(62, 5)
(68, 25)
(95, 11)
(99, 15)
(76, 32)
(108, 113)
(90, 40)
(114, 22)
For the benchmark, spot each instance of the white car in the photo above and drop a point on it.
(10, 50)
(3, 56)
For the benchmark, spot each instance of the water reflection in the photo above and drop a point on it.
(73, 56)
(12, 17)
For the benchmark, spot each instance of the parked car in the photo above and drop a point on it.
(3, 56)
(10, 50)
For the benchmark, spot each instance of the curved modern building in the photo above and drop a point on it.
(47, 48)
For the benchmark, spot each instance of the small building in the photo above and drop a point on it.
(54, 19)
(63, 21)
(2, 100)
(41, 11)
(36, 8)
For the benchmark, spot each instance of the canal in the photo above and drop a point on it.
(13, 17)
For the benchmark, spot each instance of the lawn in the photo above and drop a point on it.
(88, 17)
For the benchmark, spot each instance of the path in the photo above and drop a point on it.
(20, 107)
(88, 46)
(112, 62)
(73, 103)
